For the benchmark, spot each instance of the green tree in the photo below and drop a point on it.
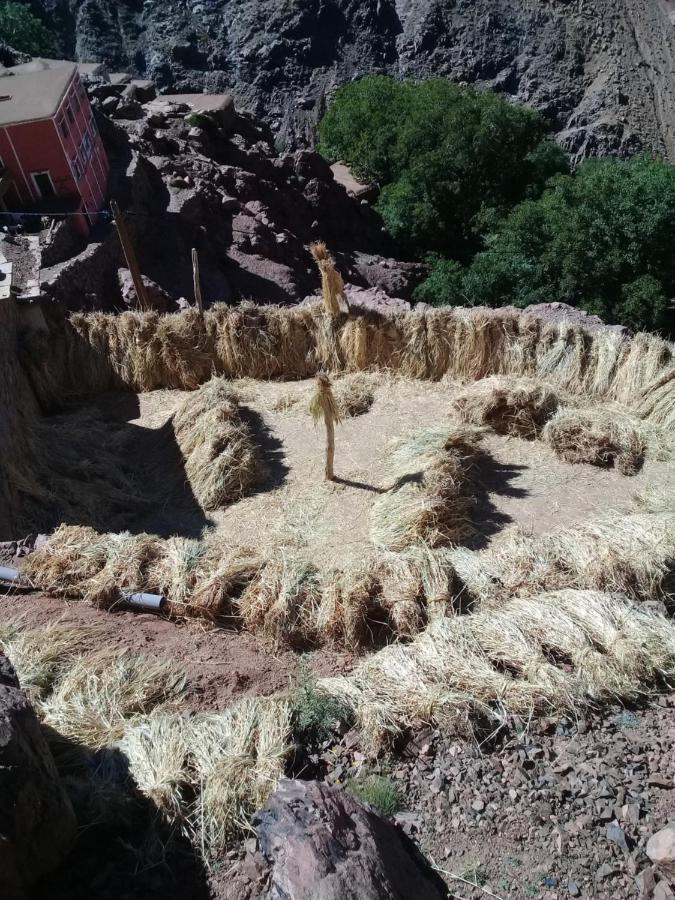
(451, 161)
(602, 240)
(22, 30)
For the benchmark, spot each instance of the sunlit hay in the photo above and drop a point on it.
(431, 498)
(221, 577)
(631, 554)
(283, 600)
(238, 757)
(411, 358)
(438, 344)
(350, 611)
(355, 342)
(657, 403)
(514, 406)
(402, 595)
(157, 747)
(73, 555)
(38, 655)
(529, 656)
(645, 360)
(562, 356)
(93, 699)
(354, 395)
(221, 458)
(597, 437)
(332, 285)
(285, 403)
(127, 570)
(175, 573)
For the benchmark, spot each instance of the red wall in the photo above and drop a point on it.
(75, 159)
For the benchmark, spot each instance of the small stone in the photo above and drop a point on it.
(573, 889)
(663, 891)
(478, 806)
(605, 870)
(616, 834)
(645, 883)
(661, 781)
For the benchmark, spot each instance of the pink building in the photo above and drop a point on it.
(51, 154)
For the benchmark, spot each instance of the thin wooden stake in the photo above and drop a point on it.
(323, 405)
(197, 284)
(130, 256)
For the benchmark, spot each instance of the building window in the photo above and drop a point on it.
(63, 125)
(44, 184)
(76, 102)
(77, 168)
(69, 113)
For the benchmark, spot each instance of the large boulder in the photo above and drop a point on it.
(322, 844)
(37, 822)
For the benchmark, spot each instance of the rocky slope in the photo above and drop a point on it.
(602, 71)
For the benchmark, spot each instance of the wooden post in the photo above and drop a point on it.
(198, 287)
(330, 449)
(130, 256)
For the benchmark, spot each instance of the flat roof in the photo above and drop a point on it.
(200, 102)
(33, 90)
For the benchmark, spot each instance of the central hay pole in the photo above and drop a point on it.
(323, 404)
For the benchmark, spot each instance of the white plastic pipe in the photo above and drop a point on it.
(145, 601)
(8, 574)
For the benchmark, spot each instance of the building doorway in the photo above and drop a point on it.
(44, 184)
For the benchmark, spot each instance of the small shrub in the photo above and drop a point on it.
(315, 715)
(378, 791)
(444, 286)
(476, 875)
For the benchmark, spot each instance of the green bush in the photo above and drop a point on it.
(377, 790)
(22, 30)
(451, 161)
(602, 240)
(315, 715)
(444, 286)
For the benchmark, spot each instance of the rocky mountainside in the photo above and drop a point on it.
(602, 71)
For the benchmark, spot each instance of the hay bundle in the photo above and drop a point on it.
(283, 599)
(332, 285)
(431, 498)
(597, 437)
(515, 406)
(530, 655)
(354, 395)
(632, 554)
(221, 458)
(95, 696)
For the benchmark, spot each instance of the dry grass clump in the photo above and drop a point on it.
(282, 600)
(95, 696)
(431, 498)
(632, 554)
(597, 437)
(221, 458)
(354, 395)
(332, 285)
(515, 406)
(530, 655)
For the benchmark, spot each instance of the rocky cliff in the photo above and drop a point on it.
(603, 71)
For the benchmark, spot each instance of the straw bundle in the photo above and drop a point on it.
(597, 437)
(323, 405)
(218, 446)
(515, 406)
(332, 285)
(431, 498)
(530, 655)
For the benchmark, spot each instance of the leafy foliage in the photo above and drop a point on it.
(377, 790)
(601, 239)
(22, 30)
(451, 161)
(315, 715)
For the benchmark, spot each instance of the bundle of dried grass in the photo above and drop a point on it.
(528, 656)
(332, 285)
(93, 699)
(632, 554)
(597, 437)
(221, 459)
(354, 395)
(324, 406)
(515, 406)
(283, 599)
(431, 498)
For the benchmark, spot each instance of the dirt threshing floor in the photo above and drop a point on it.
(524, 483)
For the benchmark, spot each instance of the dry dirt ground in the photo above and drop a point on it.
(513, 816)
